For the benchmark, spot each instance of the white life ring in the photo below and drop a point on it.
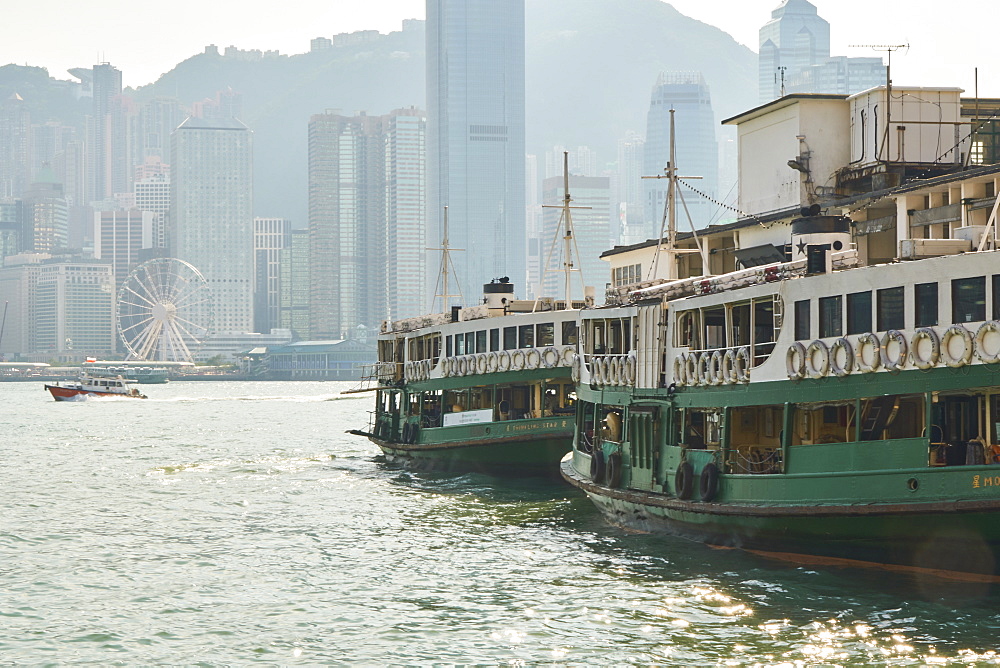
(503, 361)
(491, 362)
(680, 369)
(864, 341)
(568, 355)
(795, 361)
(967, 349)
(835, 366)
(616, 371)
(532, 358)
(461, 366)
(715, 368)
(445, 366)
(704, 368)
(629, 369)
(425, 370)
(985, 329)
(742, 365)
(887, 362)
(574, 368)
(550, 357)
(729, 367)
(517, 360)
(606, 377)
(935, 355)
(817, 349)
(691, 373)
(481, 362)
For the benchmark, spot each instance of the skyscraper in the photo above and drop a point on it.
(270, 237)
(629, 226)
(475, 137)
(696, 148)
(294, 285)
(103, 132)
(211, 219)
(366, 220)
(794, 57)
(14, 142)
(45, 216)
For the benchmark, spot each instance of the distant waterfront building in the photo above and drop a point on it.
(74, 309)
(119, 236)
(270, 237)
(152, 194)
(794, 57)
(475, 138)
(14, 139)
(629, 227)
(44, 216)
(366, 207)
(11, 227)
(18, 283)
(696, 148)
(211, 219)
(590, 227)
(293, 311)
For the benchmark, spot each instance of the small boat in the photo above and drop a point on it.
(93, 386)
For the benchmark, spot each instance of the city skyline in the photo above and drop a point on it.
(58, 44)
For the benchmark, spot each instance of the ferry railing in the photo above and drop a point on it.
(755, 460)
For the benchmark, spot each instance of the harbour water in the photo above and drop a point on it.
(237, 523)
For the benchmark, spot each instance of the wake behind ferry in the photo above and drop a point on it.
(821, 380)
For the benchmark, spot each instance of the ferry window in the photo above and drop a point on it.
(509, 338)
(715, 327)
(830, 318)
(859, 312)
(600, 347)
(569, 333)
(494, 340)
(687, 330)
(546, 334)
(470, 342)
(763, 330)
(615, 338)
(459, 344)
(925, 304)
(526, 336)
(891, 314)
(802, 325)
(996, 297)
(740, 327)
(481, 341)
(968, 299)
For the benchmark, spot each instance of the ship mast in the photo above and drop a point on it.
(446, 261)
(569, 239)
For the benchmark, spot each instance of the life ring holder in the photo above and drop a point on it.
(742, 370)
(550, 357)
(532, 358)
(517, 360)
(966, 357)
(838, 370)
(888, 363)
(729, 374)
(868, 339)
(935, 355)
(795, 361)
(985, 329)
(492, 362)
(503, 361)
(819, 348)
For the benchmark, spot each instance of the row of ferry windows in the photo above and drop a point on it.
(509, 338)
(968, 304)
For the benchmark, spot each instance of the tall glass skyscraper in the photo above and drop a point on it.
(696, 146)
(475, 139)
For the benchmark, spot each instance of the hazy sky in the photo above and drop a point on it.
(145, 39)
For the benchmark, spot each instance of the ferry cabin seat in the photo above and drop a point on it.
(504, 410)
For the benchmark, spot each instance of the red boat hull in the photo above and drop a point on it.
(60, 393)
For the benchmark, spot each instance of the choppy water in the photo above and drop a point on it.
(236, 523)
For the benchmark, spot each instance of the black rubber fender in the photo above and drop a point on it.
(684, 481)
(614, 469)
(708, 486)
(597, 466)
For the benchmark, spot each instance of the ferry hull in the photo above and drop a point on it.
(74, 394)
(951, 538)
(512, 456)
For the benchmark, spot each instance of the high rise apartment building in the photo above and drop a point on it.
(475, 138)
(687, 94)
(293, 312)
(211, 219)
(794, 57)
(366, 208)
(270, 237)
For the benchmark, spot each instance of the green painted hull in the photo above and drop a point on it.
(517, 447)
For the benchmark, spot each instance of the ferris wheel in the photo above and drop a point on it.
(165, 311)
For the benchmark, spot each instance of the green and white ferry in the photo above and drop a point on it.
(484, 389)
(835, 396)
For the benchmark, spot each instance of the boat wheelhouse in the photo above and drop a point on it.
(485, 389)
(835, 395)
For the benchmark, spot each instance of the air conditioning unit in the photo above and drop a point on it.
(919, 249)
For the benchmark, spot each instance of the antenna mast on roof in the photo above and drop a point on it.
(888, 48)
